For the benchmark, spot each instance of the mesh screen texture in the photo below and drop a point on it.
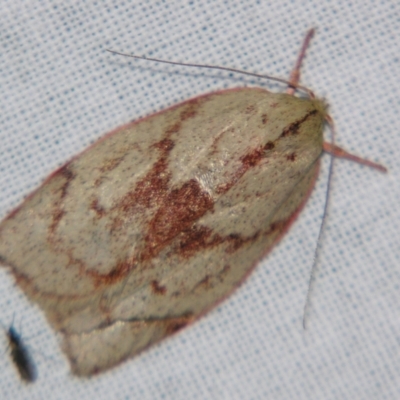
(60, 91)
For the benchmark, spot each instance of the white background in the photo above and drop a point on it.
(60, 91)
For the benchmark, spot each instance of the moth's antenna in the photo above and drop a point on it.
(239, 71)
(336, 152)
(318, 247)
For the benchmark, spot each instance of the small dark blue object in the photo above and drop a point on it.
(21, 356)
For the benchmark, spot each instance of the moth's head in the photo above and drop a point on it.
(321, 106)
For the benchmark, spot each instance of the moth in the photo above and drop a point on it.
(157, 222)
(20, 356)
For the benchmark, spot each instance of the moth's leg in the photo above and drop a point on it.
(295, 74)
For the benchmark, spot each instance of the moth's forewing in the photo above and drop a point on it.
(157, 222)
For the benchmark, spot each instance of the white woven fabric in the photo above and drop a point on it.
(61, 91)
